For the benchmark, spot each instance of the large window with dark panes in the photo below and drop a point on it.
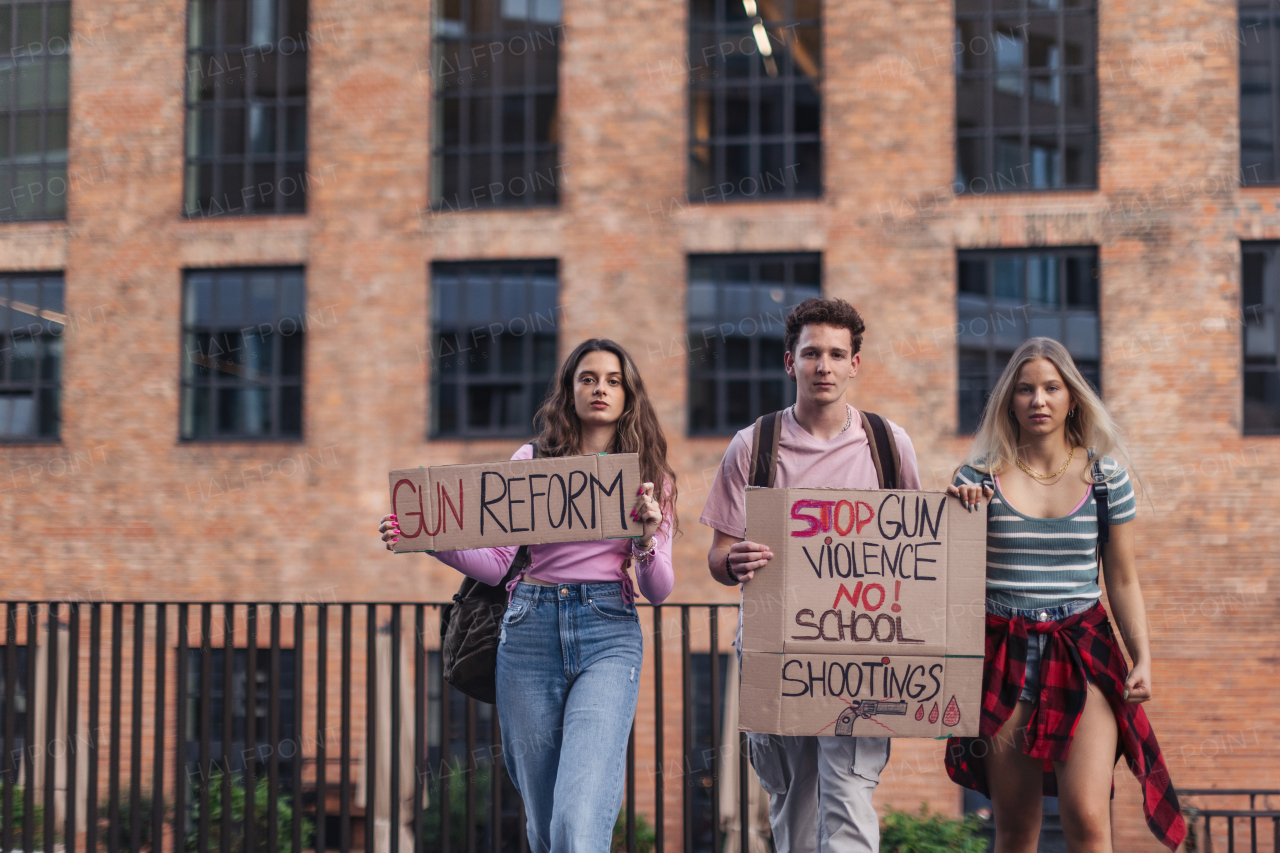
(242, 342)
(1259, 93)
(493, 345)
(496, 91)
(738, 305)
(32, 319)
(246, 97)
(35, 46)
(754, 109)
(1026, 95)
(1260, 306)
(1007, 296)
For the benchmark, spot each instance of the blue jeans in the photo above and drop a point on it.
(1035, 641)
(568, 679)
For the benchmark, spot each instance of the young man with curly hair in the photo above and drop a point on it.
(819, 787)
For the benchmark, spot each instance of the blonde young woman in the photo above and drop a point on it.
(1059, 703)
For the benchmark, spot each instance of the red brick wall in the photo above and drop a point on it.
(121, 508)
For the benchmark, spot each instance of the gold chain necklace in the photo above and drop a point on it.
(1038, 476)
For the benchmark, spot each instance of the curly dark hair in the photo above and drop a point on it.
(638, 431)
(824, 311)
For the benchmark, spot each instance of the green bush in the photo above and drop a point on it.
(456, 779)
(261, 829)
(18, 820)
(125, 820)
(902, 832)
(645, 836)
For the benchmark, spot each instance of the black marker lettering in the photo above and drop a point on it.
(533, 510)
(937, 685)
(880, 522)
(919, 559)
(853, 691)
(848, 554)
(622, 498)
(564, 500)
(933, 523)
(817, 567)
(873, 665)
(511, 502)
(821, 679)
(804, 688)
(484, 504)
(573, 494)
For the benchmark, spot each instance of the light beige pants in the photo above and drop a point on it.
(820, 791)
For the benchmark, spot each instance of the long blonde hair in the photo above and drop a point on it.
(995, 444)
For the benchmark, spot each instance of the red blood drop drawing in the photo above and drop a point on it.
(933, 713)
(920, 713)
(952, 714)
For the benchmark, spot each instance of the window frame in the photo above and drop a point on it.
(1064, 312)
(719, 373)
(1271, 10)
(1269, 249)
(530, 380)
(987, 132)
(282, 158)
(10, 114)
(721, 31)
(530, 88)
(38, 383)
(274, 383)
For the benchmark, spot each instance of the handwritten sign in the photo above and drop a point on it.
(530, 502)
(868, 620)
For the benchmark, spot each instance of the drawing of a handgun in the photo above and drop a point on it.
(866, 709)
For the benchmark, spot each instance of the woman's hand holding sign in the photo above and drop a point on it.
(971, 496)
(389, 527)
(648, 513)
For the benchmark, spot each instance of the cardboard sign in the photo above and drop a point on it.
(530, 502)
(868, 621)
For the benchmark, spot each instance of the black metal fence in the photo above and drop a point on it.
(1232, 817)
(280, 728)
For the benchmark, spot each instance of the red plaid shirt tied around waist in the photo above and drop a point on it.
(1080, 648)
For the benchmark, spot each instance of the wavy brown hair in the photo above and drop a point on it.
(637, 430)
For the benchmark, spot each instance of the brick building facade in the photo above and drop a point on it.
(122, 507)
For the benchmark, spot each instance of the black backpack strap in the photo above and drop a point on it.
(522, 559)
(1101, 492)
(884, 449)
(764, 453)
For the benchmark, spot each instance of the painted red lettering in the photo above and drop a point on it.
(863, 522)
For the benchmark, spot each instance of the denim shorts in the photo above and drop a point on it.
(1036, 642)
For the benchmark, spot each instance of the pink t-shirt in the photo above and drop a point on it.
(599, 561)
(804, 461)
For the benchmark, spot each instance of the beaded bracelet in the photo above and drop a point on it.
(643, 556)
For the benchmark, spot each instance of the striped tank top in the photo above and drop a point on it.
(1045, 562)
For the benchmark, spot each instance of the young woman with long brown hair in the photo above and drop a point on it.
(1056, 690)
(569, 657)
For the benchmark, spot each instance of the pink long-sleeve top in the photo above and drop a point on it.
(599, 561)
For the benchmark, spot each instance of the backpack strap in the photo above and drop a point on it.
(1101, 492)
(884, 448)
(521, 561)
(764, 454)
